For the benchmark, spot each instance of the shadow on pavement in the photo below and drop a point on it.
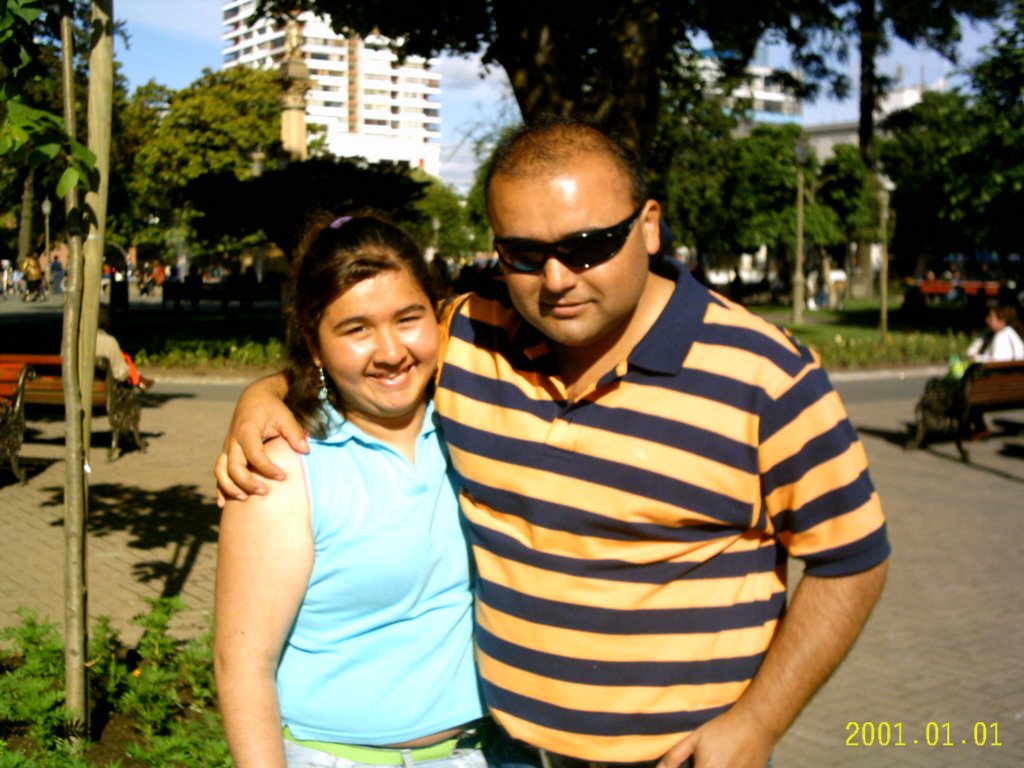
(891, 436)
(100, 441)
(178, 519)
(1012, 450)
(30, 466)
(54, 414)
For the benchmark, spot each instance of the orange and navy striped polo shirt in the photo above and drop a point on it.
(631, 545)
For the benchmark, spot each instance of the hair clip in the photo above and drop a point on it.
(339, 222)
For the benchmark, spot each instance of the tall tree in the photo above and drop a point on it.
(846, 186)
(443, 222)
(690, 161)
(928, 145)
(34, 147)
(871, 26)
(212, 126)
(994, 171)
(133, 218)
(279, 201)
(958, 159)
(607, 61)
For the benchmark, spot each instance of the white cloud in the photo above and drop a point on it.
(467, 73)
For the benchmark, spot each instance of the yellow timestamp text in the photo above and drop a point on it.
(934, 733)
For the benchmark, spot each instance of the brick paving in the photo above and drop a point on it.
(944, 645)
(153, 517)
(946, 642)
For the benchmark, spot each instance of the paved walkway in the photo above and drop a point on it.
(941, 660)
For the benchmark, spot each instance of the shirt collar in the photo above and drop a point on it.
(340, 430)
(666, 344)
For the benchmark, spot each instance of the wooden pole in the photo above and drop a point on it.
(101, 90)
(798, 257)
(75, 494)
(884, 270)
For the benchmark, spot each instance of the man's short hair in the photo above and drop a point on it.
(544, 145)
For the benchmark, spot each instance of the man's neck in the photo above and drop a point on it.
(582, 366)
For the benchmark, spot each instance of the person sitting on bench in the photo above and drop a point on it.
(122, 367)
(1003, 342)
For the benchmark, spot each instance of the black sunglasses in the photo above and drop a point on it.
(582, 251)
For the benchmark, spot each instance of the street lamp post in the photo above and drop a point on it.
(46, 207)
(885, 190)
(798, 258)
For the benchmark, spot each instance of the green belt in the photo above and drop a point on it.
(385, 755)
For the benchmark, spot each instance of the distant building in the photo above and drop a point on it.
(824, 137)
(368, 103)
(762, 100)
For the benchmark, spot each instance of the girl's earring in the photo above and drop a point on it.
(323, 392)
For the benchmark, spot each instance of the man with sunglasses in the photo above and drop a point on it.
(639, 457)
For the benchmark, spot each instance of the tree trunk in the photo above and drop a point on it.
(537, 55)
(870, 38)
(76, 498)
(869, 31)
(25, 224)
(101, 79)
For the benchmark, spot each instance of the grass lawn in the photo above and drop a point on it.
(850, 337)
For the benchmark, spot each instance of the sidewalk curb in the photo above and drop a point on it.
(888, 373)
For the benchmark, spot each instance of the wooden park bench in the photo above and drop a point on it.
(12, 413)
(120, 400)
(936, 287)
(952, 406)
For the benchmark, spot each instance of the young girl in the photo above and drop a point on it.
(343, 605)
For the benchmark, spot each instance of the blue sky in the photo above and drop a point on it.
(171, 41)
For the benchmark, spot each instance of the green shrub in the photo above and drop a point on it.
(32, 689)
(232, 353)
(164, 687)
(856, 347)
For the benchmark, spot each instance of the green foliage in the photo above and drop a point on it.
(203, 353)
(197, 741)
(279, 202)
(928, 144)
(690, 164)
(958, 159)
(821, 46)
(441, 206)
(759, 196)
(847, 187)
(32, 693)
(32, 132)
(165, 686)
(761, 192)
(608, 62)
(62, 757)
(843, 346)
(211, 127)
(993, 196)
(132, 217)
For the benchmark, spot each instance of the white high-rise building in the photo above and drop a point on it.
(761, 100)
(368, 103)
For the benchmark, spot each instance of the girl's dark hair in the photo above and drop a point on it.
(334, 255)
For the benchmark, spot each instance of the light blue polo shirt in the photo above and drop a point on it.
(381, 651)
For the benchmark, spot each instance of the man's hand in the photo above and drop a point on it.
(259, 415)
(727, 741)
(824, 618)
